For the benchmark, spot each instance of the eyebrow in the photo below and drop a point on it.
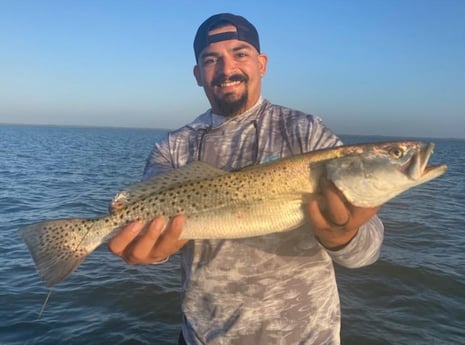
(242, 46)
(235, 49)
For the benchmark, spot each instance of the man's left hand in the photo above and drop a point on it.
(334, 220)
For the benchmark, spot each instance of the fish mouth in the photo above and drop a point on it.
(418, 168)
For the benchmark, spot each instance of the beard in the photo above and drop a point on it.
(231, 104)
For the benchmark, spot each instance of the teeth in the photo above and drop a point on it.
(428, 152)
(230, 83)
(415, 170)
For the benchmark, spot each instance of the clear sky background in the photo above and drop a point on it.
(376, 67)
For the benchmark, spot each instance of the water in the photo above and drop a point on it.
(415, 293)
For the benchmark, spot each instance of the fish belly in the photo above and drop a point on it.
(245, 220)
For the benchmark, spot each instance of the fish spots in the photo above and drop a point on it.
(79, 253)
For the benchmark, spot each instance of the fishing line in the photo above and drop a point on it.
(44, 305)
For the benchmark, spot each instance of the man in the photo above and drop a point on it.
(274, 289)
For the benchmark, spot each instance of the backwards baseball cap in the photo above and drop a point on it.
(245, 31)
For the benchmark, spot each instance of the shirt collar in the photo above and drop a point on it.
(218, 120)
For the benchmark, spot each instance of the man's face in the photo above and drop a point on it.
(230, 73)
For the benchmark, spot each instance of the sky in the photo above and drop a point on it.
(369, 67)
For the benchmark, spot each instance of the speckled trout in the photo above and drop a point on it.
(257, 200)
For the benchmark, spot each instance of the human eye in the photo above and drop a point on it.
(241, 54)
(209, 60)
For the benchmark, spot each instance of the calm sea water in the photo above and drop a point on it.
(415, 293)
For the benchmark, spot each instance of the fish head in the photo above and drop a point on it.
(372, 174)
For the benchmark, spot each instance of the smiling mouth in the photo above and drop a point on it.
(230, 83)
(223, 81)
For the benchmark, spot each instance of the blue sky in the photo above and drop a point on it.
(377, 67)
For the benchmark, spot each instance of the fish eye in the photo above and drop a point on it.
(396, 152)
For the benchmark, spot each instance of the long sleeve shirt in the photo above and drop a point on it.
(273, 289)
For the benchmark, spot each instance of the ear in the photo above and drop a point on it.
(197, 75)
(262, 61)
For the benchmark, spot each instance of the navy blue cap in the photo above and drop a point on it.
(245, 31)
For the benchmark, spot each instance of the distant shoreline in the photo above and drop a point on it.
(387, 136)
(80, 126)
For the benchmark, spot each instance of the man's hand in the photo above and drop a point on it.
(140, 243)
(335, 221)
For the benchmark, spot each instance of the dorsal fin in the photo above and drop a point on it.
(195, 171)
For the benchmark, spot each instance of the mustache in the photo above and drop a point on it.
(222, 78)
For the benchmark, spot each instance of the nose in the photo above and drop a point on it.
(227, 66)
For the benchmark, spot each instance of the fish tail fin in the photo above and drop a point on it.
(58, 246)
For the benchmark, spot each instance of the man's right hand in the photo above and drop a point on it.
(139, 243)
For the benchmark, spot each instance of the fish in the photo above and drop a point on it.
(257, 200)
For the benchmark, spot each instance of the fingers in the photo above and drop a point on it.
(331, 236)
(169, 242)
(140, 243)
(141, 250)
(317, 219)
(335, 207)
(119, 243)
(334, 221)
